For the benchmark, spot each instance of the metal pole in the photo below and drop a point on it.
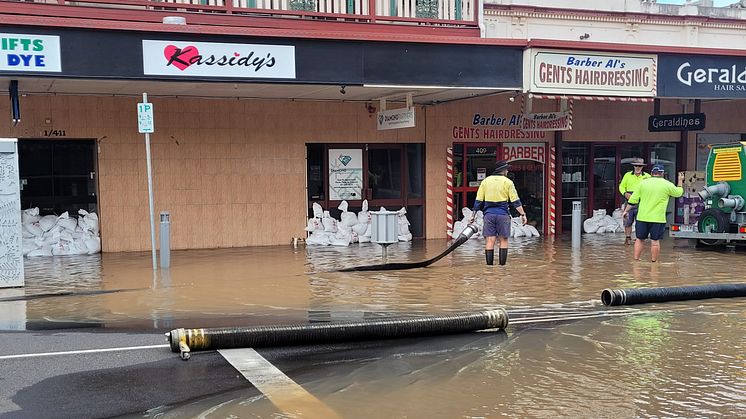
(165, 239)
(150, 192)
(576, 221)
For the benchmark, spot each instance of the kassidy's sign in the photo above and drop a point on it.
(38, 53)
(206, 59)
(589, 73)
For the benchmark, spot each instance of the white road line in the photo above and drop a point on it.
(283, 392)
(83, 351)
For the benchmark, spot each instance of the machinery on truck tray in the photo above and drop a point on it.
(723, 220)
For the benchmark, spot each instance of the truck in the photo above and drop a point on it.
(723, 220)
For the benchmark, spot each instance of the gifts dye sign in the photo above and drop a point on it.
(207, 59)
(590, 73)
(345, 174)
(37, 53)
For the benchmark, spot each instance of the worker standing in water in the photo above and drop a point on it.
(626, 187)
(495, 195)
(652, 194)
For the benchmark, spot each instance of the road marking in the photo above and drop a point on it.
(283, 392)
(83, 351)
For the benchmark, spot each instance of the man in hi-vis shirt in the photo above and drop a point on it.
(495, 196)
(653, 194)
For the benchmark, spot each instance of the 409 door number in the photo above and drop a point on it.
(54, 132)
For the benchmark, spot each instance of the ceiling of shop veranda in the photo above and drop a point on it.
(420, 95)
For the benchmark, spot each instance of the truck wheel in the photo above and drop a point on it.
(715, 221)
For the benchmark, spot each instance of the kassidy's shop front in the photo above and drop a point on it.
(245, 127)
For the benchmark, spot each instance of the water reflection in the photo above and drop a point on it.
(675, 359)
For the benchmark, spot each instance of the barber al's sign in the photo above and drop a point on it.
(208, 59)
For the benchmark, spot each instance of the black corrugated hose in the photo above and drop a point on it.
(185, 340)
(462, 238)
(628, 296)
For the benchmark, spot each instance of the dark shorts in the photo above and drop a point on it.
(496, 225)
(643, 229)
(631, 215)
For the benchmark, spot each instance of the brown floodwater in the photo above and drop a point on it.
(682, 359)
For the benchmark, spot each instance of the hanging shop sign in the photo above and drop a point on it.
(396, 118)
(677, 122)
(702, 76)
(345, 174)
(37, 53)
(547, 121)
(189, 59)
(590, 73)
(490, 126)
(524, 151)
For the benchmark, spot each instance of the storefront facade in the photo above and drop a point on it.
(233, 169)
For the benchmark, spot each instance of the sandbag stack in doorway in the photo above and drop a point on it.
(325, 230)
(517, 229)
(600, 222)
(51, 235)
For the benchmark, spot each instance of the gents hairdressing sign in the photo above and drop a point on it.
(207, 59)
(702, 76)
(589, 73)
(37, 53)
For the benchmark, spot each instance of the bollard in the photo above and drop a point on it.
(165, 239)
(576, 222)
(384, 230)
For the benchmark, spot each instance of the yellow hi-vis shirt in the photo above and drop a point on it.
(495, 194)
(653, 194)
(630, 181)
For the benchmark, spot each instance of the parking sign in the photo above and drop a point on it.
(145, 120)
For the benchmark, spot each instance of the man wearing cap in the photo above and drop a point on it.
(495, 196)
(652, 194)
(626, 187)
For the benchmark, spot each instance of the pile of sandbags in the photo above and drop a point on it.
(600, 222)
(51, 235)
(351, 228)
(517, 229)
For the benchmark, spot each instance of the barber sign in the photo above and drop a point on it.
(524, 151)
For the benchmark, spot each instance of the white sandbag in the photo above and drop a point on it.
(531, 229)
(405, 237)
(330, 224)
(319, 238)
(92, 244)
(518, 231)
(458, 227)
(368, 231)
(363, 217)
(29, 245)
(30, 215)
(343, 206)
(318, 212)
(42, 251)
(314, 224)
(89, 221)
(47, 222)
(403, 224)
(363, 239)
(590, 225)
(34, 229)
(66, 222)
(360, 229)
(26, 234)
(348, 219)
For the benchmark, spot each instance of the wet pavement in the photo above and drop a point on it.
(585, 360)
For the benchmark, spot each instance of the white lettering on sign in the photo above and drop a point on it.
(729, 75)
(591, 73)
(524, 151)
(38, 53)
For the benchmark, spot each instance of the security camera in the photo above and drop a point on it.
(342, 89)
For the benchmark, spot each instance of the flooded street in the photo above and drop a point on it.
(682, 359)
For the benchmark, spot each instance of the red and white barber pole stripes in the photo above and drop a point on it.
(449, 192)
(552, 193)
(571, 110)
